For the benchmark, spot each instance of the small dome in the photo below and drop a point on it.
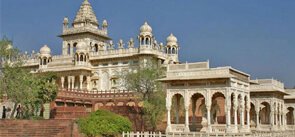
(81, 47)
(171, 38)
(146, 28)
(45, 50)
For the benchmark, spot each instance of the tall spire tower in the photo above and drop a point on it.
(85, 16)
(85, 28)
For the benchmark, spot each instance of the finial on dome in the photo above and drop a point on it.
(104, 23)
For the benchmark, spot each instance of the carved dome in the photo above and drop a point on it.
(171, 38)
(45, 50)
(81, 47)
(146, 28)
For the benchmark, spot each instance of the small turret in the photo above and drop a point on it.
(45, 56)
(145, 36)
(81, 55)
(65, 23)
(172, 47)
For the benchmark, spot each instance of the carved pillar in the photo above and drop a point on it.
(236, 116)
(228, 116)
(257, 116)
(88, 83)
(62, 79)
(186, 107)
(248, 118)
(81, 82)
(71, 49)
(69, 82)
(272, 118)
(242, 116)
(186, 119)
(168, 107)
(208, 107)
(73, 82)
(168, 129)
(276, 117)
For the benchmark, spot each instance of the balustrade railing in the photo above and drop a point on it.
(218, 128)
(198, 134)
(95, 93)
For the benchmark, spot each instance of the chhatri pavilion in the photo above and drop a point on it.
(199, 98)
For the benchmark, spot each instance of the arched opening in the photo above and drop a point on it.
(173, 50)
(45, 61)
(147, 41)
(264, 114)
(290, 116)
(253, 118)
(69, 49)
(217, 109)
(74, 47)
(141, 41)
(198, 117)
(169, 50)
(81, 57)
(95, 47)
(177, 114)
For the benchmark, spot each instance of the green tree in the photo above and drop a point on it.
(104, 123)
(46, 89)
(144, 82)
(19, 85)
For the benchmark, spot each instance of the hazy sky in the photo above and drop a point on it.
(257, 37)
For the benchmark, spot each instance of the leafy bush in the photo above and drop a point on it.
(104, 123)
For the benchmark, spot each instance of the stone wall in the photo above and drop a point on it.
(39, 128)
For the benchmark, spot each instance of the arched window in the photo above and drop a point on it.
(81, 57)
(142, 41)
(74, 47)
(96, 48)
(77, 57)
(173, 50)
(44, 61)
(69, 49)
(147, 42)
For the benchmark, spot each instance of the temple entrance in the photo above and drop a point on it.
(198, 115)
(177, 109)
(217, 109)
(264, 113)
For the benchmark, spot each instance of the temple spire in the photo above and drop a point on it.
(86, 14)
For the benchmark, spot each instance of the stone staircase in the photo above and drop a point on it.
(38, 128)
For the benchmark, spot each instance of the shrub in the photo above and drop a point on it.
(104, 123)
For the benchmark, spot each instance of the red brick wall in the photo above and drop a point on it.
(38, 128)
